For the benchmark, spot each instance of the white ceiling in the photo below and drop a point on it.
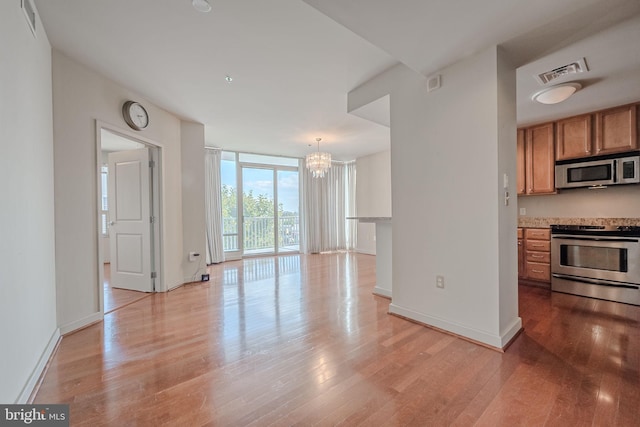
(292, 66)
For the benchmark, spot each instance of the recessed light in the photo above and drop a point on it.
(201, 5)
(228, 79)
(556, 94)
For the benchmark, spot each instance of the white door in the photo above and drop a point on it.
(130, 220)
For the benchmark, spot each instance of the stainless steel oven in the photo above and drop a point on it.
(596, 261)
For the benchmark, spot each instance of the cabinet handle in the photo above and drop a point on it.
(536, 256)
(537, 271)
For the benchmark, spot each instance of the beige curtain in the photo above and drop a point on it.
(213, 201)
(326, 202)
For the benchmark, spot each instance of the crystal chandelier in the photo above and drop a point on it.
(318, 163)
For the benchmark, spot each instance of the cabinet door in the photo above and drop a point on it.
(540, 159)
(520, 162)
(522, 267)
(616, 130)
(573, 137)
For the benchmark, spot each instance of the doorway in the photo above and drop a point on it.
(270, 206)
(260, 204)
(129, 218)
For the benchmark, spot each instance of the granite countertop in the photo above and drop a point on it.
(545, 222)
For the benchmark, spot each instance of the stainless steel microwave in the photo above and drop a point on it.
(598, 171)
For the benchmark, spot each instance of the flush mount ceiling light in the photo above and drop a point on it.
(556, 94)
(318, 163)
(201, 5)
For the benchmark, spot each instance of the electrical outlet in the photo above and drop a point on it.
(193, 256)
(523, 211)
(440, 282)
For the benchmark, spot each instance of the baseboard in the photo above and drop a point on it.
(511, 332)
(496, 342)
(366, 252)
(34, 378)
(381, 292)
(81, 323)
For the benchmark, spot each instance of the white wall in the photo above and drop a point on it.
(27, 258)
(80, 97)
(621, 201)
(449, 149)
(193, 205)
(373, 196)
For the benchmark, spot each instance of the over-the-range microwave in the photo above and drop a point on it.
(599, 171)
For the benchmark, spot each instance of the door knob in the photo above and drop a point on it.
(112, 223)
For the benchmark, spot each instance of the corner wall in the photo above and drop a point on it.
(80, 97)
(448, 155)
(28, 330)
(193, 203)
(373, 196)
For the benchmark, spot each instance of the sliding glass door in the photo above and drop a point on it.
(258, 210)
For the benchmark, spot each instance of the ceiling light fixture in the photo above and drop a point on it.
(318, 163)
(228, 79)
(556, 94)
(201, 5)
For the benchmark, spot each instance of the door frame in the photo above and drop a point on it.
(276, 218)
(157, 240)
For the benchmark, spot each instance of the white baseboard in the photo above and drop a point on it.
(81, 323)
(32, 382)
(511, 331)
(382, 292)
(366, 252)
(495, 341)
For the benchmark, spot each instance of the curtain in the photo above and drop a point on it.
(213, 202)
(325, 206)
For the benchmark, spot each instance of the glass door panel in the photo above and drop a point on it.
(288, 211)
(230, 241)
(258, 210)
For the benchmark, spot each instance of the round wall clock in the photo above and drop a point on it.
(135, 115)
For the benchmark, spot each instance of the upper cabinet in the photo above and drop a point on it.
(616, 130)
(573, 137)
(536, 160)
(521, 162)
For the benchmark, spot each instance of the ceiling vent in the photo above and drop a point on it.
(576, 67)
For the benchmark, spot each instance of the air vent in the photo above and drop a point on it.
(30, 14)
(576, 67)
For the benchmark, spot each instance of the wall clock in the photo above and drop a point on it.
(135, 115)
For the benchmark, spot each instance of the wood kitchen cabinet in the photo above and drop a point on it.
(536, 160)
(521, 257)
(536, 265)
(574, 137)
(616, 130)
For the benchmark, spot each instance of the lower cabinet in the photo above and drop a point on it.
(534, 256)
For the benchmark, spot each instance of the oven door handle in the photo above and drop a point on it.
(594, 281)
(596, 239)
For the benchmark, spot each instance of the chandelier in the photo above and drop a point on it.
(318, 163)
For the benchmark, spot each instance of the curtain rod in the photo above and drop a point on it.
(273, 155)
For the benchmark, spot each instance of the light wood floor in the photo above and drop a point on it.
(300, 340)
(115, 298)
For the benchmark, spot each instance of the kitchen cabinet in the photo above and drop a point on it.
(536, 160)
(521, 258)
(574, 137)
(521, 162)
(616, 130)
(536, 263)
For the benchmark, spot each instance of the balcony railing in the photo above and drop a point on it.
(259, 235)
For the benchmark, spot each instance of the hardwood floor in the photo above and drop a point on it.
(300, 340)
(115, 298)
